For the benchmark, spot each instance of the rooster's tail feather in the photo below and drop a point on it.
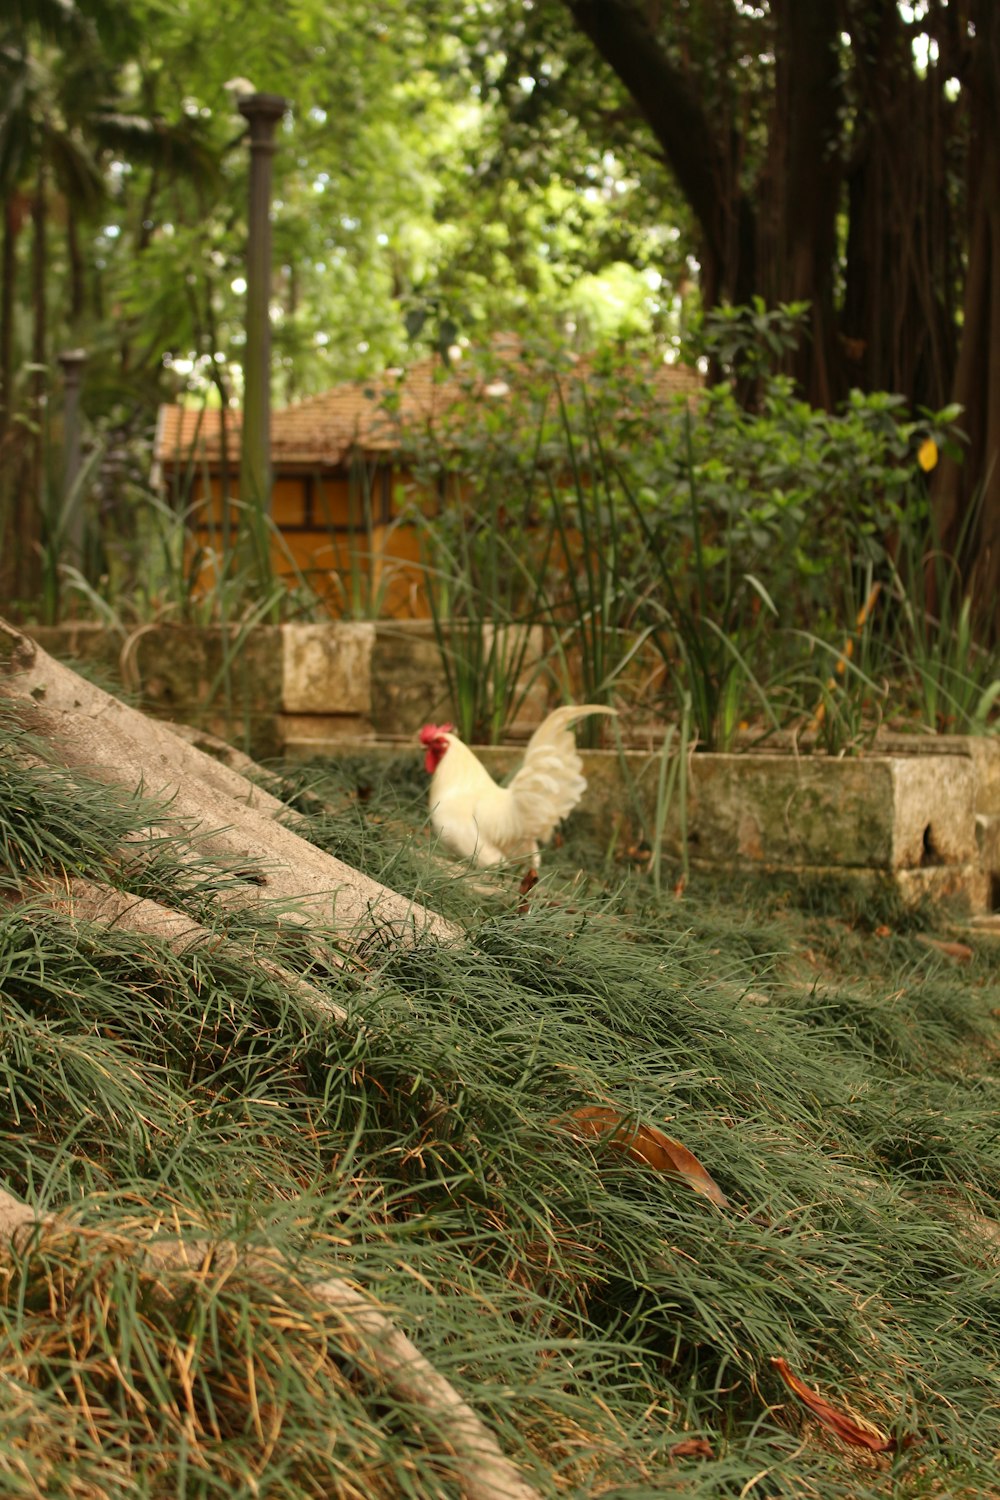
(550, 782)
(559, 721)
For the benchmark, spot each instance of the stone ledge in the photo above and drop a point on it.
(879, 812)
(303, 736)
(907, 822)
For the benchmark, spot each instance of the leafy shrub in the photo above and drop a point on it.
(737, 545)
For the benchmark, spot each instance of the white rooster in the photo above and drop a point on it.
(488, 823)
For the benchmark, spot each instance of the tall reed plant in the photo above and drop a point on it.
(839, 695)
(592, 615)
(956, 680)
(485, 598)
(709, 620)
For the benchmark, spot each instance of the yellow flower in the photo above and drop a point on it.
(927, 454)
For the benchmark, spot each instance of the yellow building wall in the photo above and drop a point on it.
(329, 532)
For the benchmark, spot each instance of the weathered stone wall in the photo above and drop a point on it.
(220, 680)
(909, 820)
(272, 689)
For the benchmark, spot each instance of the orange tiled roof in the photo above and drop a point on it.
(321, 431)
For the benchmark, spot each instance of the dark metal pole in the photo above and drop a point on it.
(263, 111)
(72, 362)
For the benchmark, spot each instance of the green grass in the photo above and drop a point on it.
(838, 1084)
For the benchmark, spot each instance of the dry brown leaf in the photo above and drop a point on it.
(692, 1448)
(961, 952)
(846, 1424)
(645, 1143)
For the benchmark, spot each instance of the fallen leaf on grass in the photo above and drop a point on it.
(528, 883)
(883, 931)
(692, 1448)
(644, 1143)
(846, 1424)
(637, 854)
(961, 952)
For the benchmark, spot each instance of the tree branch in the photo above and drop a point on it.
(223, 814)
(665, 97)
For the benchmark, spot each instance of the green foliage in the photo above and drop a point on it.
(379, 244)
(592, 607)
(776, 561)
(460, 170)
(484, 643)
(707, 622)
(530, 533)
(672, 551)
(484, 587)
(746, 345)
(956, 681)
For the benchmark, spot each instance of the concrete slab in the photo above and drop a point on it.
(984, 751)
(883, 820)
(304, 736)
(409, 686)
(327, 669)
(884, 812)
